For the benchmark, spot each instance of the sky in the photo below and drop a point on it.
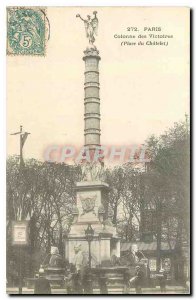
(143, 89)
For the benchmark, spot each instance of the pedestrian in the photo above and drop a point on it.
(127, 278)
(77, 283)
(102, 281)
(162, 280)
(139, 275)
(87, 281)
(79, 263)
(69, 284)
(42, 284)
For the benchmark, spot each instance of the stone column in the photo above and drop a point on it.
(91, 99)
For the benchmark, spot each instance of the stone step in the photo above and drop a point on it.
(155, 290)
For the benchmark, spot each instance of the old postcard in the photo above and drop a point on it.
(98, 150)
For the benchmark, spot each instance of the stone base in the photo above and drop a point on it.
(91, 200)
(103, 247)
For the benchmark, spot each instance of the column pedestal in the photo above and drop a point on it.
(91, 200)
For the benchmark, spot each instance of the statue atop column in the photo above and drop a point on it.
(91, 27)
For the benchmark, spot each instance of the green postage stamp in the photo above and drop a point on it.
(26, 31)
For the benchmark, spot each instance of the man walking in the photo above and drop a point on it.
(138, 279)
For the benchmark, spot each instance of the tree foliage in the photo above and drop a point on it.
(44, 193)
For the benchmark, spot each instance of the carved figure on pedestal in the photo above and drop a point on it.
(93, 171)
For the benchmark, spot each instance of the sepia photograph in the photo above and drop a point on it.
(98, 150)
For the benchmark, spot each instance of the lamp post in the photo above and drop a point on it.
(89, 233)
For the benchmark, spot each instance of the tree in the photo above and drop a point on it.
(115, 178)
(43, 192)
(168, 183)
(133, 195)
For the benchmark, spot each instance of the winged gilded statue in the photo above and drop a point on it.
(91, 27)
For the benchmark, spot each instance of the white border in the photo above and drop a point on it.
(3, 4)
